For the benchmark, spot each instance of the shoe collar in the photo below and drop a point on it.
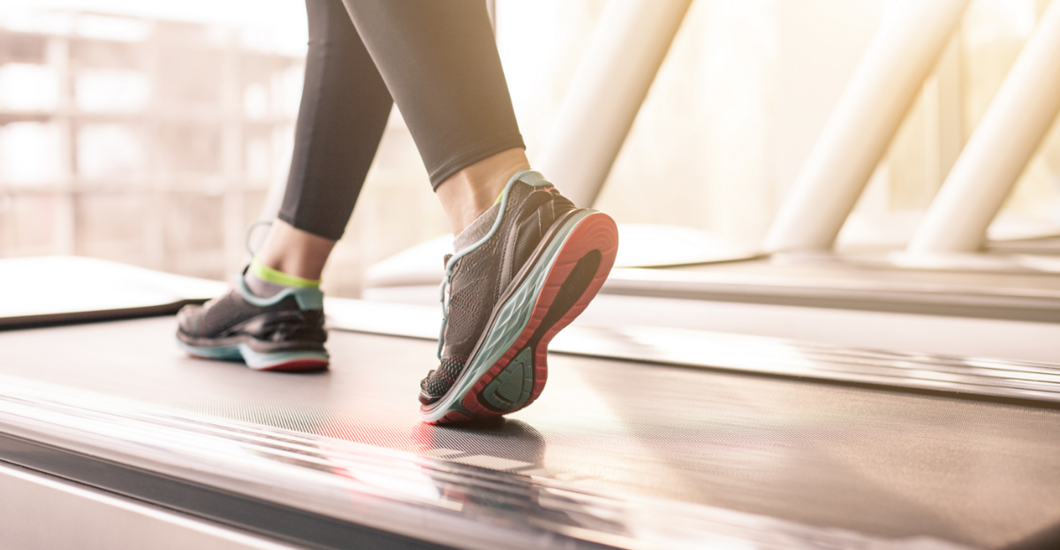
(307, 298)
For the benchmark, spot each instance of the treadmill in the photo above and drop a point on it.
(1001, 304)
(648, 437)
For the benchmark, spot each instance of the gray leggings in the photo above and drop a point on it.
(436, 58)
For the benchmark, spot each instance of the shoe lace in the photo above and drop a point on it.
(528, 177)
(250, 232)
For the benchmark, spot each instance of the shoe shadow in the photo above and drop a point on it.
(495, 443)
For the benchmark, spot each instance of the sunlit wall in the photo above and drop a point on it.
(152, 133)
(146, 138)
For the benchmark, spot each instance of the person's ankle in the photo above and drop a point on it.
(472, 191)
(294, 252)
(265, 282)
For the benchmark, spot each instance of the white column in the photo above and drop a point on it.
(157, 254)
(627, 47)
(64, 220)
(943, 117)
(885, 84)
(1006, 138)
(232, 151)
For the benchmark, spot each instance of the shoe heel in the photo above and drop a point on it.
(593, 241)
(285, 361)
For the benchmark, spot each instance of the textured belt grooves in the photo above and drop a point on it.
(389, 498)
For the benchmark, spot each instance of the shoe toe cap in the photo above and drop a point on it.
(426, 397)
(188, 319)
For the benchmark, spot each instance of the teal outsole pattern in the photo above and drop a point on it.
(512, 387)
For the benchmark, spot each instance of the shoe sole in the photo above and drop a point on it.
(280, 361)
(508, 370)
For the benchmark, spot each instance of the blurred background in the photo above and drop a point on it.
(151, 133)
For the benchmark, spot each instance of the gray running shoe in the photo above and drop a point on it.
(282, 333)
(522, 272)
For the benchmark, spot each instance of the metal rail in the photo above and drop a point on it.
(964, 377)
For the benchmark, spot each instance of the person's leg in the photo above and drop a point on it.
(440, 63)
(273, 316)
(464, 196)
(341, 119)
(526, 261)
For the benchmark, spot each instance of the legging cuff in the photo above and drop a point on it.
(472, 154)
(320, 226)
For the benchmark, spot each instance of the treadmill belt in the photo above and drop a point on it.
(884, 463)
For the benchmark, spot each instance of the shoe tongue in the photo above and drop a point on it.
(477, 230)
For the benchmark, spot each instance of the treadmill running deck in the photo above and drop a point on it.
(884, 463)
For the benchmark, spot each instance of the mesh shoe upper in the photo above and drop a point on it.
(481, 277)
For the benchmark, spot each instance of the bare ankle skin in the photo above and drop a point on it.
(470, 192)
(295, 252)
